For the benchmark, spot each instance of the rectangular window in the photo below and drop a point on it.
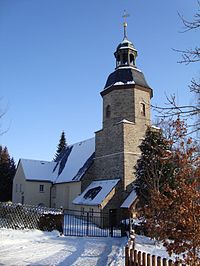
(20, 188)
(16, 188)
(41, 188)
(143, 109)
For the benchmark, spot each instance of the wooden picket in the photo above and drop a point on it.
(135, 257)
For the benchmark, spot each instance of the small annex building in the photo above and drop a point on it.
(53, 184)
(98, 173)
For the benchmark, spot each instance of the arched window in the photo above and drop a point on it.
(125, 59)
(143, 109)
(108, 111)
(132, 59)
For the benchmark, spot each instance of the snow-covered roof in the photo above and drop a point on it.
(71, 166)
(129, 200)
(96, 192)
(38, 170)
(76, 161)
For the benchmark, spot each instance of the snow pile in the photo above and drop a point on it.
(147, 245)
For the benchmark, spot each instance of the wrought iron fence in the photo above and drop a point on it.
(87, 223)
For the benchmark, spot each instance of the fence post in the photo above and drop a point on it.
(135, 260)
(153, 260)
(127, 255)
(87, 229)
(139, 258)
(158, 261)
(144, 259)
(131, 258)
(148, 259)
(164, 262)
(170, 263)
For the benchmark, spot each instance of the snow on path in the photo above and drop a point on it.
(34, 247)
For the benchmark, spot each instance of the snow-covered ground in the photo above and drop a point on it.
(34, 247)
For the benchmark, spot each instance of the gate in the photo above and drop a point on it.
(89, 223)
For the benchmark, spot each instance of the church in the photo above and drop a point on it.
(96, 174)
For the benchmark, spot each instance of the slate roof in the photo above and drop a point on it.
(126, 75)
(70, 167)
(96, 192)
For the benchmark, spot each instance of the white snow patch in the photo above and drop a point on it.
(130, 82)
(129, 200)
(147, 245)
(129, 66)
(155, 127)
(118, 83)
(126, 121)
(34, 247)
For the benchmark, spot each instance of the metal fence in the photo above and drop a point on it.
(18, 216)
(87, 223)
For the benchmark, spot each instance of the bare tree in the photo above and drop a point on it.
(187, 56)
(2, 113)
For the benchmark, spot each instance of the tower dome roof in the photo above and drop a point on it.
(126, 44)
(126, 76)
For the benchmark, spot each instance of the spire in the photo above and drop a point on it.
(126, 53)
(125, 23)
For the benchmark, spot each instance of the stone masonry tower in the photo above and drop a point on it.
(126, 114)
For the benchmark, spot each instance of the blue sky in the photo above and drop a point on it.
(55, 57)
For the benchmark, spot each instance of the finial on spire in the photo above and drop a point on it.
(125, 23)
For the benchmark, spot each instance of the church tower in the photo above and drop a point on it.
(126, 115)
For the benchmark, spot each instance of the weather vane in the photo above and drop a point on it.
(125, 16)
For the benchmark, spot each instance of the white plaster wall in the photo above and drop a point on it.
(28, 192)
(65, 194)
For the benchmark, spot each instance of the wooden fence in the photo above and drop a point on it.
(135, 257)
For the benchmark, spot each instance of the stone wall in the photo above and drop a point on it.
(121, 103)
(109, 153)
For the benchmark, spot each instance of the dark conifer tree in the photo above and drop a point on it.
(7, 172)
(62, 145)
(152, 170)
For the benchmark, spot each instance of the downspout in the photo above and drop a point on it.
(50, 194)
